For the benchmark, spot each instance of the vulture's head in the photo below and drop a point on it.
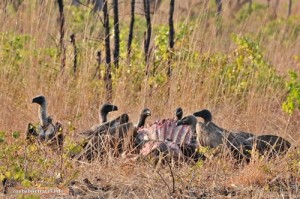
(187, 120)
(179, 113)
(39, 100)
(205, 114)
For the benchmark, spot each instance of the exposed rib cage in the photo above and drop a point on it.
(165, 130)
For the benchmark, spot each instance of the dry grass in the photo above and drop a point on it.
(75, 102)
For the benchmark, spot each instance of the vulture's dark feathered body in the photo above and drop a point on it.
(270, 144)
(143, 116)
(243, 134)
(111, 136)
(211, 135)
(103, 128)
(46, 131)
(114, 140)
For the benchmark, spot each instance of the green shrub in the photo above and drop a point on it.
(292, 101)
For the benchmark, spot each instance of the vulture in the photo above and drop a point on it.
(112, 134)
(105, 109)
(207, 117)
(105, 125)
(179, 113)
(138, 139)
(46, 131)
(143, 115)
(270, 145)
(210, 135)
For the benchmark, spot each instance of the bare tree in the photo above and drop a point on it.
(130, 36)
(219, 6)
(219, 17)
(148, 33)
(274, 8)
(107, 78)
(75, 49)
(268, 3)
(171, 36)
(62, 34)
(99, 61)
(117, 33)
(290, 8)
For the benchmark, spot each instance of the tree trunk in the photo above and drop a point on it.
(219, 6)
(73, 42)
(275, 9)
(171, 36)
(148, 33)
(117, 33)
(62, 34)
(130, 36)
(107, 78)
(250, 6)
(290, 8)
(98, 69)
(219, 17)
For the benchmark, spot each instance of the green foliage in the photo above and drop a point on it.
(161, 42)
(11, 161)
(245, 12)
(16, 134)
(282, 29)
(83, 20)
(245, 68)
(292, 100)
(32, 163)
(2, 136)
(13, 50)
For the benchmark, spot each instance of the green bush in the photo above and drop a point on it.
(292, 100)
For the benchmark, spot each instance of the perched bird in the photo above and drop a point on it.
(207, 117)
(105, 125)
(139, 138)
(143, 116)
(104, 110)
(210, 135)
(179, 113)
(111, 132)
(46, 131)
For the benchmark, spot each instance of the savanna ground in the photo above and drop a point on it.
(247, 75)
